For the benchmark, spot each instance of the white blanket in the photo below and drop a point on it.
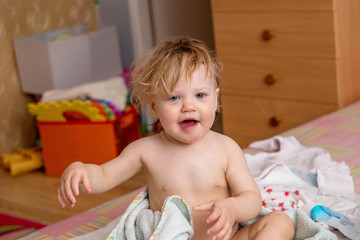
(333, 178)
(290, 176)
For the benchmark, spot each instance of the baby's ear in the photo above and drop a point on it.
(152, 109)
(217, 107)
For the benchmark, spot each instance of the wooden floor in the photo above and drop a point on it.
(33, 196)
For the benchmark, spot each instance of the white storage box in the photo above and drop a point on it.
(45, 63)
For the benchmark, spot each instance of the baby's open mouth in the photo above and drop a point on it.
(189, 123)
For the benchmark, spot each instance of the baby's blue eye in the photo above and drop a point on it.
(200, 95)
(174, 98)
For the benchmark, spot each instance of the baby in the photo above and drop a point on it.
(179, 81)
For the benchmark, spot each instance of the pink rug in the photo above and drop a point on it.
(13, 227)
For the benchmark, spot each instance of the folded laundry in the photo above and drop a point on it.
(113, 90)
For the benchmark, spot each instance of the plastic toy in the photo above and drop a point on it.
(128, 127)
(54, 111)
(22, 161)
(66, 142)
(110, 105)
(72, 116)
(106, 111)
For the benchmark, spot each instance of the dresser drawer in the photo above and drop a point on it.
(271, 5)
(256, 118)
(275, 34)
(301, 79)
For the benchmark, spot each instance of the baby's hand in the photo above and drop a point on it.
(222, 213)
(74, 175)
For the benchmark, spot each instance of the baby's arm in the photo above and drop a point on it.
(99, 178)
(244, 205)
(247, 198)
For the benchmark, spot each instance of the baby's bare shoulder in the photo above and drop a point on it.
(149, 141)
(224, 140)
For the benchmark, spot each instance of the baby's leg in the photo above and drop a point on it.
(275, 225)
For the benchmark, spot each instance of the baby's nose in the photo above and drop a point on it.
(188, 105)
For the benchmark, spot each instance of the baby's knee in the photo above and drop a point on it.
(279, 217)
(281, 223)
(274, 226)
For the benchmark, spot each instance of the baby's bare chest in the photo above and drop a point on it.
(197, 181)
(179, 172)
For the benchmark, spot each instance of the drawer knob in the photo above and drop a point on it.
(267, 35)
(270, 79)
(274, 121)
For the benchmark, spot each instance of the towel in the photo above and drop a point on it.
(306, 228)
(174, 222)
(112, 90)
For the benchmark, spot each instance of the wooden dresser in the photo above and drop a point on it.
(285, 62)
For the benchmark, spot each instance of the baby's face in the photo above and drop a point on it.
(189, 112)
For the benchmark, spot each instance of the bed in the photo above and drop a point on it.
(337, 132)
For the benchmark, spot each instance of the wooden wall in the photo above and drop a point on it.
(20, 18)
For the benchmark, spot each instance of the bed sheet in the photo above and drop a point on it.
(338, 133)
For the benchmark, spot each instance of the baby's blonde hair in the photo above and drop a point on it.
(164, 65)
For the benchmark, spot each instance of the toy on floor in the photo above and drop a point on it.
(22, 161)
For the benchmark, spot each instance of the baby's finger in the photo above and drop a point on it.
(86, 183)
(74, 183)
(217, 226)
(63, 195)
(228, 235)
(224, 234)
(61, 201)
(215, 214)
(204, 207)
(68, 192)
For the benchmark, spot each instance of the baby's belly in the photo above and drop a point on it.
(201, 227)
(192, 198)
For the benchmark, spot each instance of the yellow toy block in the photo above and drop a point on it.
(53, 112)
(22, 161)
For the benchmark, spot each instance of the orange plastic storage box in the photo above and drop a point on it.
(67, 142)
